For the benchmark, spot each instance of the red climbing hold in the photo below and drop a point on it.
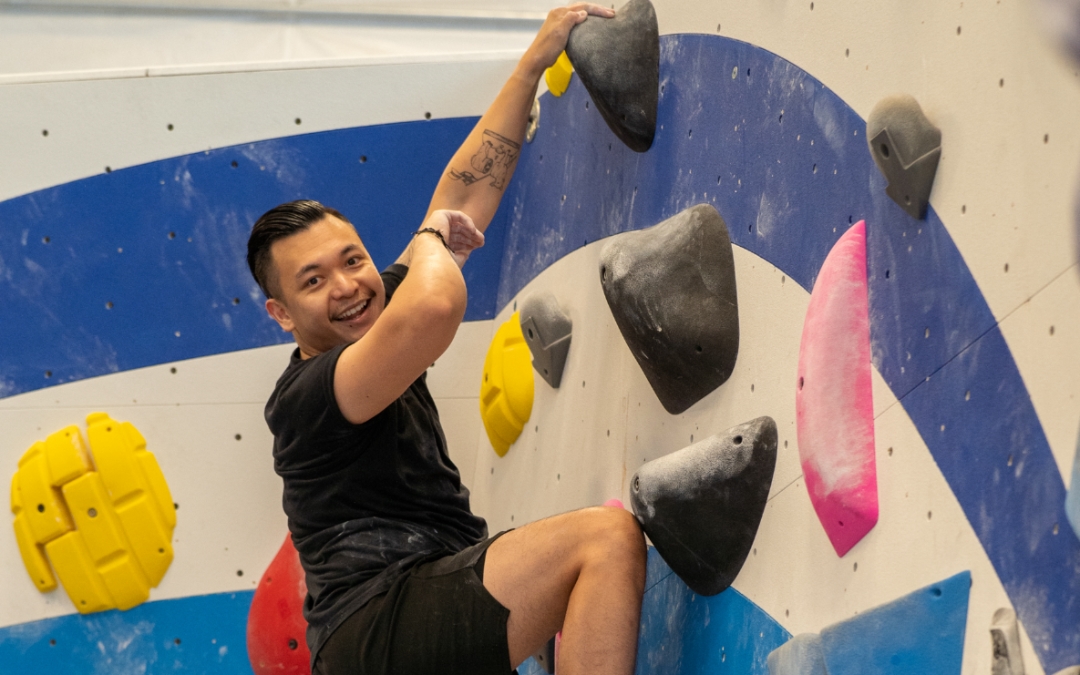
(276, 626)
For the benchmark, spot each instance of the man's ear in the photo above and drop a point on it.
(280, 313)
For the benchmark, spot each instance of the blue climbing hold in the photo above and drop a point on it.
(919, 634)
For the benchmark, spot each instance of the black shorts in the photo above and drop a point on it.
(436, 618)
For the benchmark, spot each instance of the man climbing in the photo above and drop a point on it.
(402, 577)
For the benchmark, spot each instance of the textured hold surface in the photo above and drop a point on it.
(834, 407)
(671, 288)
(547, 332)
(276, 628)
(1072, 497)
(801, 655)
(506, 389)
(701, 506)
(1005, 640)
(618, 61)
(921, 633)
(906, 148)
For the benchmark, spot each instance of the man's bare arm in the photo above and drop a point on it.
(412, 331)
(477, 175)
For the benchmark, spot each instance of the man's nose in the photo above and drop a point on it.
(342, 285)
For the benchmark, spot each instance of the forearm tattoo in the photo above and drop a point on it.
(493, 160)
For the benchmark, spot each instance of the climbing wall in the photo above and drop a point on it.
(125, 292)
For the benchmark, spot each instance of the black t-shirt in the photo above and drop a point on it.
(365, 502)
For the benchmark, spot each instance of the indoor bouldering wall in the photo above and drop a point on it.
(905, 380)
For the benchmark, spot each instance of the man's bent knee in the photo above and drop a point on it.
(615, 534)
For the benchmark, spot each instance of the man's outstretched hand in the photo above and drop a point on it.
(458, 231)
(551, 40)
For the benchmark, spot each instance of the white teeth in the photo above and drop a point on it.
(353, 312)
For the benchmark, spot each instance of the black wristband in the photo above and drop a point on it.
(436, 233)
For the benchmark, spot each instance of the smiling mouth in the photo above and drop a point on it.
(353, 312)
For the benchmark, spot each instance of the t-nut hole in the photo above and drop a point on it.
(698, 348)
(737, 440)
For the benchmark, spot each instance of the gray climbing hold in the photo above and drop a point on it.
(618, 61)
(546, 657)
(801, 655)
(671, 289)
(1071, 670)
(534, 121)
(906, 148)
(701, 506)
(1005, 640)
(547, 332)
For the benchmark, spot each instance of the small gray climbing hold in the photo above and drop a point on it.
(801, 655)
(1071, 670)
(701, 506)
(906, 148)
(547, 332)
(534, 121)
(546, 657)
(618, 61)
(1005, 641)
(671, 289)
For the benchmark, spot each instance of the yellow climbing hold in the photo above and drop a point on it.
(506, 392)
(105, 524)
(558, 75)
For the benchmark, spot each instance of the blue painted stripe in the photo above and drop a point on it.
(785, 162)
(165, 244)
(205, 634)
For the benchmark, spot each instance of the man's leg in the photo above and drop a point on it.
(581, 572)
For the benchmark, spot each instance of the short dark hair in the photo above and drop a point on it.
(280, 222)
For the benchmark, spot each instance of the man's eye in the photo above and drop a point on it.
(312, 281)
(355, 260)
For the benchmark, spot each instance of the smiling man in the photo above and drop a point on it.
(402, 577)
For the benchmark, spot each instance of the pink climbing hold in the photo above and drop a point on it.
(276, 627)
(834, 407)
(617, 503)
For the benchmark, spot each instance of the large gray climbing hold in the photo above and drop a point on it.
(701, 506)
(906, 148)
(671, 288)
(547, 332)
(801, 655)
(1005, 640)
(618, 61)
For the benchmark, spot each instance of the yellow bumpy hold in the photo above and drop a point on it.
(104, 522)
(506, 392)
(557, 76)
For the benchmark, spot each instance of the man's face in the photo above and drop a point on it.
(329, 291)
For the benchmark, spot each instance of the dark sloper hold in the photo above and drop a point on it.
(618, 61)
(671, 288)
(906, 148)
(701, 506)
(547, 332)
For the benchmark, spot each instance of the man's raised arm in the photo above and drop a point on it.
(478, 173)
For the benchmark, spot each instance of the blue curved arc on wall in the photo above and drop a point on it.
(146, 265)
(785, 162)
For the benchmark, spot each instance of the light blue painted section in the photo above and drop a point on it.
(920, 634)
(200, 635)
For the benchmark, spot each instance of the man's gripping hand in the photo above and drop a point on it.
(551, 40)
(458, 231)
